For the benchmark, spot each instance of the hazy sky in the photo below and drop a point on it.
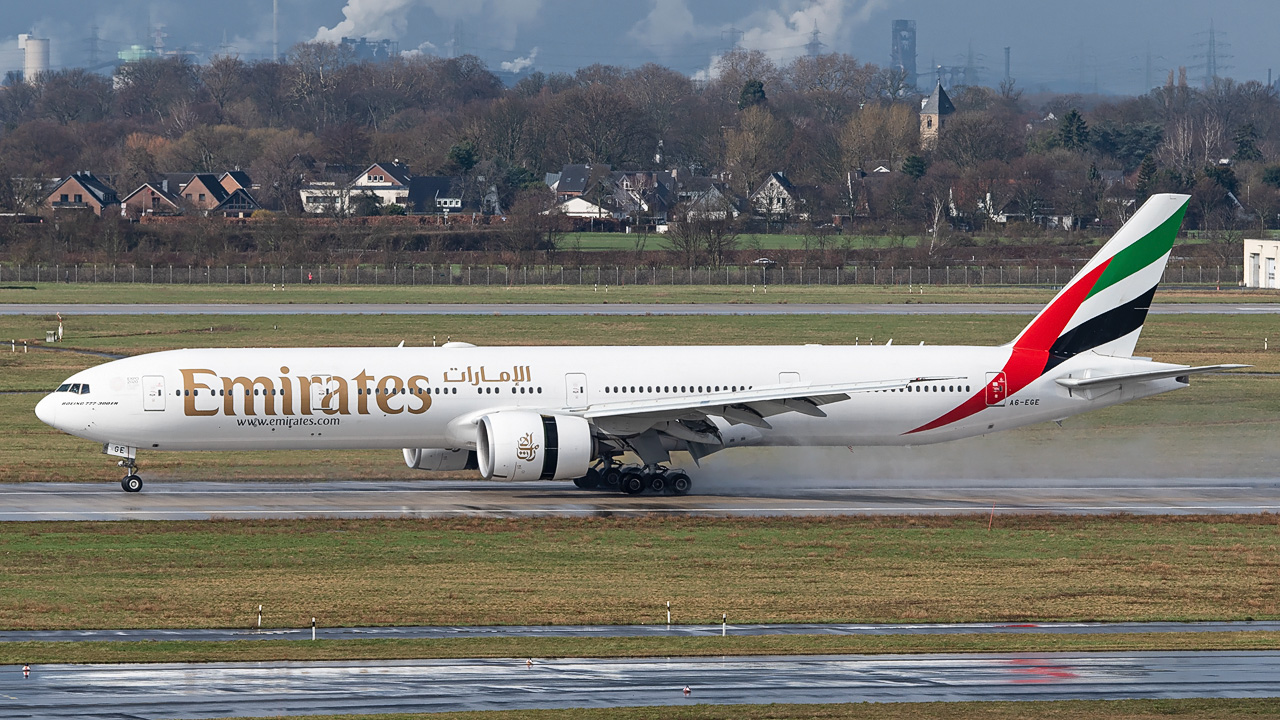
(1066, 46)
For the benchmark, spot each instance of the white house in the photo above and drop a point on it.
(388, 182)
(579, 208)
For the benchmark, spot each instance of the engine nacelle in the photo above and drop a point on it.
(519, 445)
(439, 459)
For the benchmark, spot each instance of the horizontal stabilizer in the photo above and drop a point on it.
(1094, 382)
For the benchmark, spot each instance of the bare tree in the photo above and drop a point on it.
(755, 148)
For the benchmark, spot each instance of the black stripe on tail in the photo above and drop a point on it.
(1107, 327)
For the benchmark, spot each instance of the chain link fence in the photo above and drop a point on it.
(466, 274)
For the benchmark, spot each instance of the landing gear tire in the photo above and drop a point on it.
(131, 483)
(611, 477)
(632, 483)
(680, 483)
(590, 481)
(658, 482)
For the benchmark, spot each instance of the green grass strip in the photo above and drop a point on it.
(545, 647)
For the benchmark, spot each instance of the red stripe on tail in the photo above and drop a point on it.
(1030, 350)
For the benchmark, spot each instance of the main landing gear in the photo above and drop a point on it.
(131, 482)
(635, 479)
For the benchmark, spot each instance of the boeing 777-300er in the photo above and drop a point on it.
(524, 413)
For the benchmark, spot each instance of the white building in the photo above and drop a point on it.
(1260, 263)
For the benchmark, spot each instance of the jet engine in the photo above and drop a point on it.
(520, 445)
(439, 459)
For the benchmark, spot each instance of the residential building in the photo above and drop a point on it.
(82, 191)
(152, 198)
(236, 180)
(706, 198)
(777, 199)
(433, 195)
(387, 182)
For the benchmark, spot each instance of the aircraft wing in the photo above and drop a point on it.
(749, 407)
(1089, 383)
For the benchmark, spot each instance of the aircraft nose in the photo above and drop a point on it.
(47, 410)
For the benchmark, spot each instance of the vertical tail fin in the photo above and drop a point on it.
(1104, 306)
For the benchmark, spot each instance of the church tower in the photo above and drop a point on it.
(933, 113)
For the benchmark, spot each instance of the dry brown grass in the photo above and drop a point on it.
(578, 571)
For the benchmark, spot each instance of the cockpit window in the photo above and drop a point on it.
(63, 387)
(75, 389)
(84, 389)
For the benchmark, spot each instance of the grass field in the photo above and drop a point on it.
(1258, 709)
(72, 294)
(597, 570)
(1221, 425)
(43, 653)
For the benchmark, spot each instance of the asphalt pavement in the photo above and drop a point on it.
(206, 690)
(161, 500)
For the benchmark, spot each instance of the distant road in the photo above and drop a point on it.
(196, 690)
(596, 309)
(615, 631)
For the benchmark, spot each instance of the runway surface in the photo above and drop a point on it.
(614, 631)
(72, 309)
(228, 689)
(202, 500)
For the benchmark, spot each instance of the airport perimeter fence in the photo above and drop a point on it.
(598, 275)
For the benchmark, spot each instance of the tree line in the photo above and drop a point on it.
(827, 122)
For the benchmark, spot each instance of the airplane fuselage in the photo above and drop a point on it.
(326, 398)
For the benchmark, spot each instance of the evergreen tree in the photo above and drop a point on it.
(1246, 139)
(1146, 177)
(1073, 131)
(1224, 176)
(752, 94)
(462, 157)
(914, 166)
(1271, 176)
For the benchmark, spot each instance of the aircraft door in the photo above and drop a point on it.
(575, 390)
(323, 393)
(997, 389)
(153, 394)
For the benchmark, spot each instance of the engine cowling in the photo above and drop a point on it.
(439, 459)
(520, 445)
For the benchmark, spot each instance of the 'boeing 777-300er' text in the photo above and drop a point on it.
(521, 413)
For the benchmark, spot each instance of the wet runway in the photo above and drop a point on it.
(161, 500)
(597, 309)
(227, 689)
(613, 631)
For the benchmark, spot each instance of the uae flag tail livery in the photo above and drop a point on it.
(610, 416)
(1099, 313)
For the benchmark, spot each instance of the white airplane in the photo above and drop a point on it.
(522, 413)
